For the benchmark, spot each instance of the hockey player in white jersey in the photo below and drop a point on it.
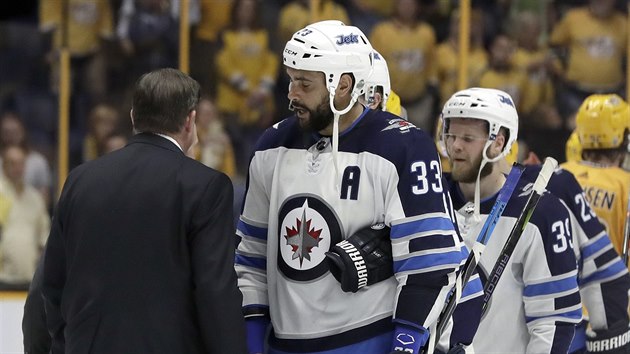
(316, 180)
(603, 278)
(536, 304)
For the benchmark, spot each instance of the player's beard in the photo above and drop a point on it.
(470, 175)
(319, 118)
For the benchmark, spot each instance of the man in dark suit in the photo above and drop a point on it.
(140, 258)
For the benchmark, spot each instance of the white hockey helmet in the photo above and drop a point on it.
(379, 77)
(494, 106)
(333, 48)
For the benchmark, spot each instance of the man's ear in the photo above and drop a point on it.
(190, 120)
(345, 85)
(131, 116)
(378, 100)
(498, 145)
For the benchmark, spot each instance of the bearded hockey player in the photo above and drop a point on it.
(317, 179)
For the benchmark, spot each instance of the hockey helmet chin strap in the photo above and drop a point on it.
(337, 115)
(485, 159)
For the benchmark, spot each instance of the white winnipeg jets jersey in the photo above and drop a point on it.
(536, 303)
(603, 277)
(299, 202)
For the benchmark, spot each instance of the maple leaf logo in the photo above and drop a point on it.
(302, 238)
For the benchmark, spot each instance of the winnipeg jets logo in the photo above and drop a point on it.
(307, 227)
(347, 39)
(302, 238)
(506, 100)
(399, 124)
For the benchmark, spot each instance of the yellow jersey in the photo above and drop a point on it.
(539, 88)
(606, 190)
(409, 52)
(5, 208)
(596, 48)
(512, 81)
(447, 66)
(215, 15)
(88, 21)
(245, 54)
(294, 16)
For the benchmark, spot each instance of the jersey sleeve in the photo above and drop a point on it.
(466, 318)
(251, 253)
(603, 278)
(426, 247)
(551, 297)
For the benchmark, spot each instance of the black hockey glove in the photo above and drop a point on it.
(615, 340)
(365, 258)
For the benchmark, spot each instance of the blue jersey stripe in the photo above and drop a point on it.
(573, 315)
(423, 225)
(551, 287)
(473, 286)
(615, 268)
(253, 231)
(253, 262)
(428, 261)
(595, 247)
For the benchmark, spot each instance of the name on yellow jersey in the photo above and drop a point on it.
(599, 198)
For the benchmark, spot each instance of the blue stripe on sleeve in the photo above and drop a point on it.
(473, 286)
(610, 271)
(423, 225)
(427, 261)
(550, 287)
(253, 231)
(595, 247)
(573, 315)
(253, 262)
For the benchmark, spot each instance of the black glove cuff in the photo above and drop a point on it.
(615, 340)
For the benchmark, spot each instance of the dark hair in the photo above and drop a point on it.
(617, 153)
(236, 6)
(162, 99)
(14, 115)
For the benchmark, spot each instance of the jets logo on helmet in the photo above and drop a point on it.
(506, 100)
(349, 39)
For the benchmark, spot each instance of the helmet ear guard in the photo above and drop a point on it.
(379, 78)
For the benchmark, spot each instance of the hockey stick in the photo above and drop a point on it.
(626, 230)
(537, 191)
(482, 239)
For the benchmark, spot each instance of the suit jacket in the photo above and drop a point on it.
(34, 331)
(140, 258)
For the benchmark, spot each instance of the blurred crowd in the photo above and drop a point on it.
(548, 55)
